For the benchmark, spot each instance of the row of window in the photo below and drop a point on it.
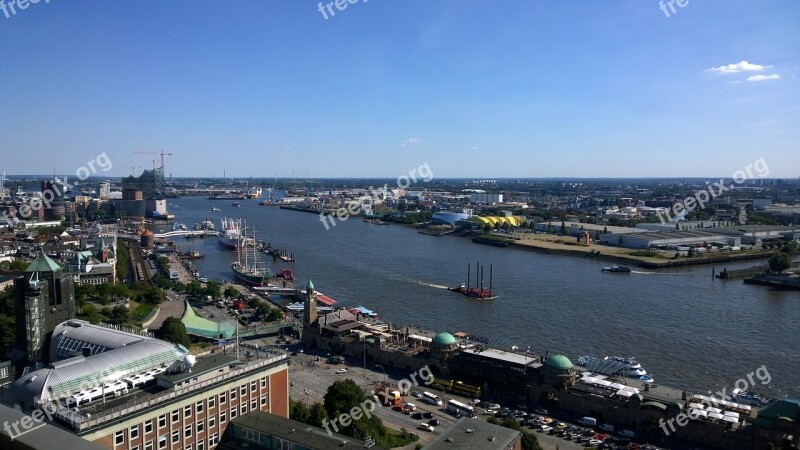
(133, 432)
(213, 440)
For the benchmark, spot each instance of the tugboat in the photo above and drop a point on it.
(616, 269)
(193, 254)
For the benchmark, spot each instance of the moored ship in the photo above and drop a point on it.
(249, 269)
(616, 365)
(231, 235)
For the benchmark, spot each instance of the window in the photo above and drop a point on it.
(212, 441)
(243, 390)
(134, 432)
(187, 411)
(188, 447)
(211, 421)
(263, 400)
(211, 401)
(135, 447)
(243, 407)
(199, 406)
(200, 426)
(176, 436)
(187, 431)
(162, 441)
(148, 445)
(148, 426)
(263, 382)
(222, 398)
(233, 394)
(253, 386)
(233, 413)
(200, 445)
(119, 437)
(251, 435)
(162, 421)
(222, 416)
(253, 404)
(175, 416)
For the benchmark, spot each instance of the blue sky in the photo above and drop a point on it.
(475, 89)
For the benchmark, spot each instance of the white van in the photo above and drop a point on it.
(607, 427)
(588, 421)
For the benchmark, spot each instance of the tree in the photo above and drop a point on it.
(563, 230)
(119, 315)
(212, 289)
(230, 292)
(173, 330)
(780, 262)
(7, 334)
(317, 414)
(299, 411)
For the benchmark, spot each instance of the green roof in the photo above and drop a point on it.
(200, 326)
(309, 285)
(783, 409)
(42, 263)
(559, 362)
(444, 338)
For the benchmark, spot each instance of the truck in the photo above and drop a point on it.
(390, 398)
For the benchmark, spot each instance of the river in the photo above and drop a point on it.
(687, 329)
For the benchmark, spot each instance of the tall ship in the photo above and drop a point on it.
(248, 269)
(616, 365)
(231, 235)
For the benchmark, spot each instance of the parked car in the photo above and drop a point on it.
(398, 408)
(433, 422)
(427, 415)
(545, 428)
(425, 427)
(541, 411)
(627, 433)
(416, 394)
(417, 416)
(340, 371)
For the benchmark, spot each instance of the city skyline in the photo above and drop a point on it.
(533, 90)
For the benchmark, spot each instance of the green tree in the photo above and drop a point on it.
(213, 289)
(230, 292)
(317, 414)
(7, 333)
(299, 411)
(173, 330)
(119, 315)
(780, 262)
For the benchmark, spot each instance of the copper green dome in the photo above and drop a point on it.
(309, 286)
(444, 339)
(559, 362)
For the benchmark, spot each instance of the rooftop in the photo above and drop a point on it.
(515, 358)
(294, 431)
(472, 434)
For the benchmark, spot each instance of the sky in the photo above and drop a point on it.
(533, 88)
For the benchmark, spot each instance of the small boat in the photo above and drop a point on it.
(194, 254)
(215, 209)
(179, 227)
(616, 269)
(236, 204)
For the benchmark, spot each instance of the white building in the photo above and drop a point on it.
(485, 198)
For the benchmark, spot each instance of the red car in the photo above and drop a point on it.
(398, 408)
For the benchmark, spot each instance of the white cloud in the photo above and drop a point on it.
(410, 141)
(741, 66)
(773, 76)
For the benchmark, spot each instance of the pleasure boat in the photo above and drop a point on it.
(616, 269)
(748, 398)
(616, 365)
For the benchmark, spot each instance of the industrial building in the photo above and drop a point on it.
(670, 239)
(485, 198)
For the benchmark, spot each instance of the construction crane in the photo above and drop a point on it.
(156, 153)
(133, 169)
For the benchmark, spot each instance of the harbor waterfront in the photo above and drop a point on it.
(690, 330)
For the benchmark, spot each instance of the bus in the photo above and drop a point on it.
(433, 399)
(459, 409)
(467, 390)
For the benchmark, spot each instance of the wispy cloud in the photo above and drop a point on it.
(773, 76)
(410, 141)
(741, 66)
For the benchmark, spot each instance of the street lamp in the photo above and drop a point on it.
(384, 372)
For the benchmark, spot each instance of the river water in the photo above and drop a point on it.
(686, 329)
